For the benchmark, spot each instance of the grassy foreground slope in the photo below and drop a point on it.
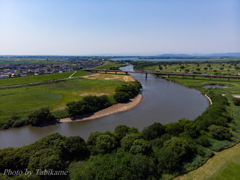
(224, 165)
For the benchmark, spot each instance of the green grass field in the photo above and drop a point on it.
(32, 79)
(54, 95)
(80, 73)
(199, 83)
(110, 64)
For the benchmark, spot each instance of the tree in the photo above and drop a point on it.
(41, 116)
(221, 68)
(140, 146)
(153, 131)
(205, 68)
(127, 141)
(160, 67)
(105, 144)
(46, 159)
(74, 148)
(143, 167)
(182, 67)
(168, 160)
(121, 131)
(173, 129)
(179, 146)
(93, 138)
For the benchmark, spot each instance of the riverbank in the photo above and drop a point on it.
(116, 108)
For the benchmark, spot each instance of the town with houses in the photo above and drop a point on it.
(13, 70)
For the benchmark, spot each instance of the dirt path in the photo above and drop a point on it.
(73, 74)
(120, 107)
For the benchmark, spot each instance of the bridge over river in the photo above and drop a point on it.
(168, 74)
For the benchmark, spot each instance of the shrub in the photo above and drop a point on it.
(219, 132)
(5, 126)
(18, 124)
(236, 101)
(121, 97)
(216, 145)
(41, 116)
(203, 140)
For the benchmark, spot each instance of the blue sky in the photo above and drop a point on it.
(118, 27)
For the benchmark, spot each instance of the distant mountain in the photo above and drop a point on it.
(202, 55)
(174, 55)
(224, 55)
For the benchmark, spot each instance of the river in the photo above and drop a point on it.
(163, 102)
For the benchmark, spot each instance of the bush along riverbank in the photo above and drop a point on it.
(158, 152)
(86, 106)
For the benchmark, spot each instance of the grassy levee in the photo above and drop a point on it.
(33, 79)
(109, 65)
(80, 73)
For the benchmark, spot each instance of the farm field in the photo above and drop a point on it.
(32, 79)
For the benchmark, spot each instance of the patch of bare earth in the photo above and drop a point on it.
(93, 94)
(234, 95)
(110, 77)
